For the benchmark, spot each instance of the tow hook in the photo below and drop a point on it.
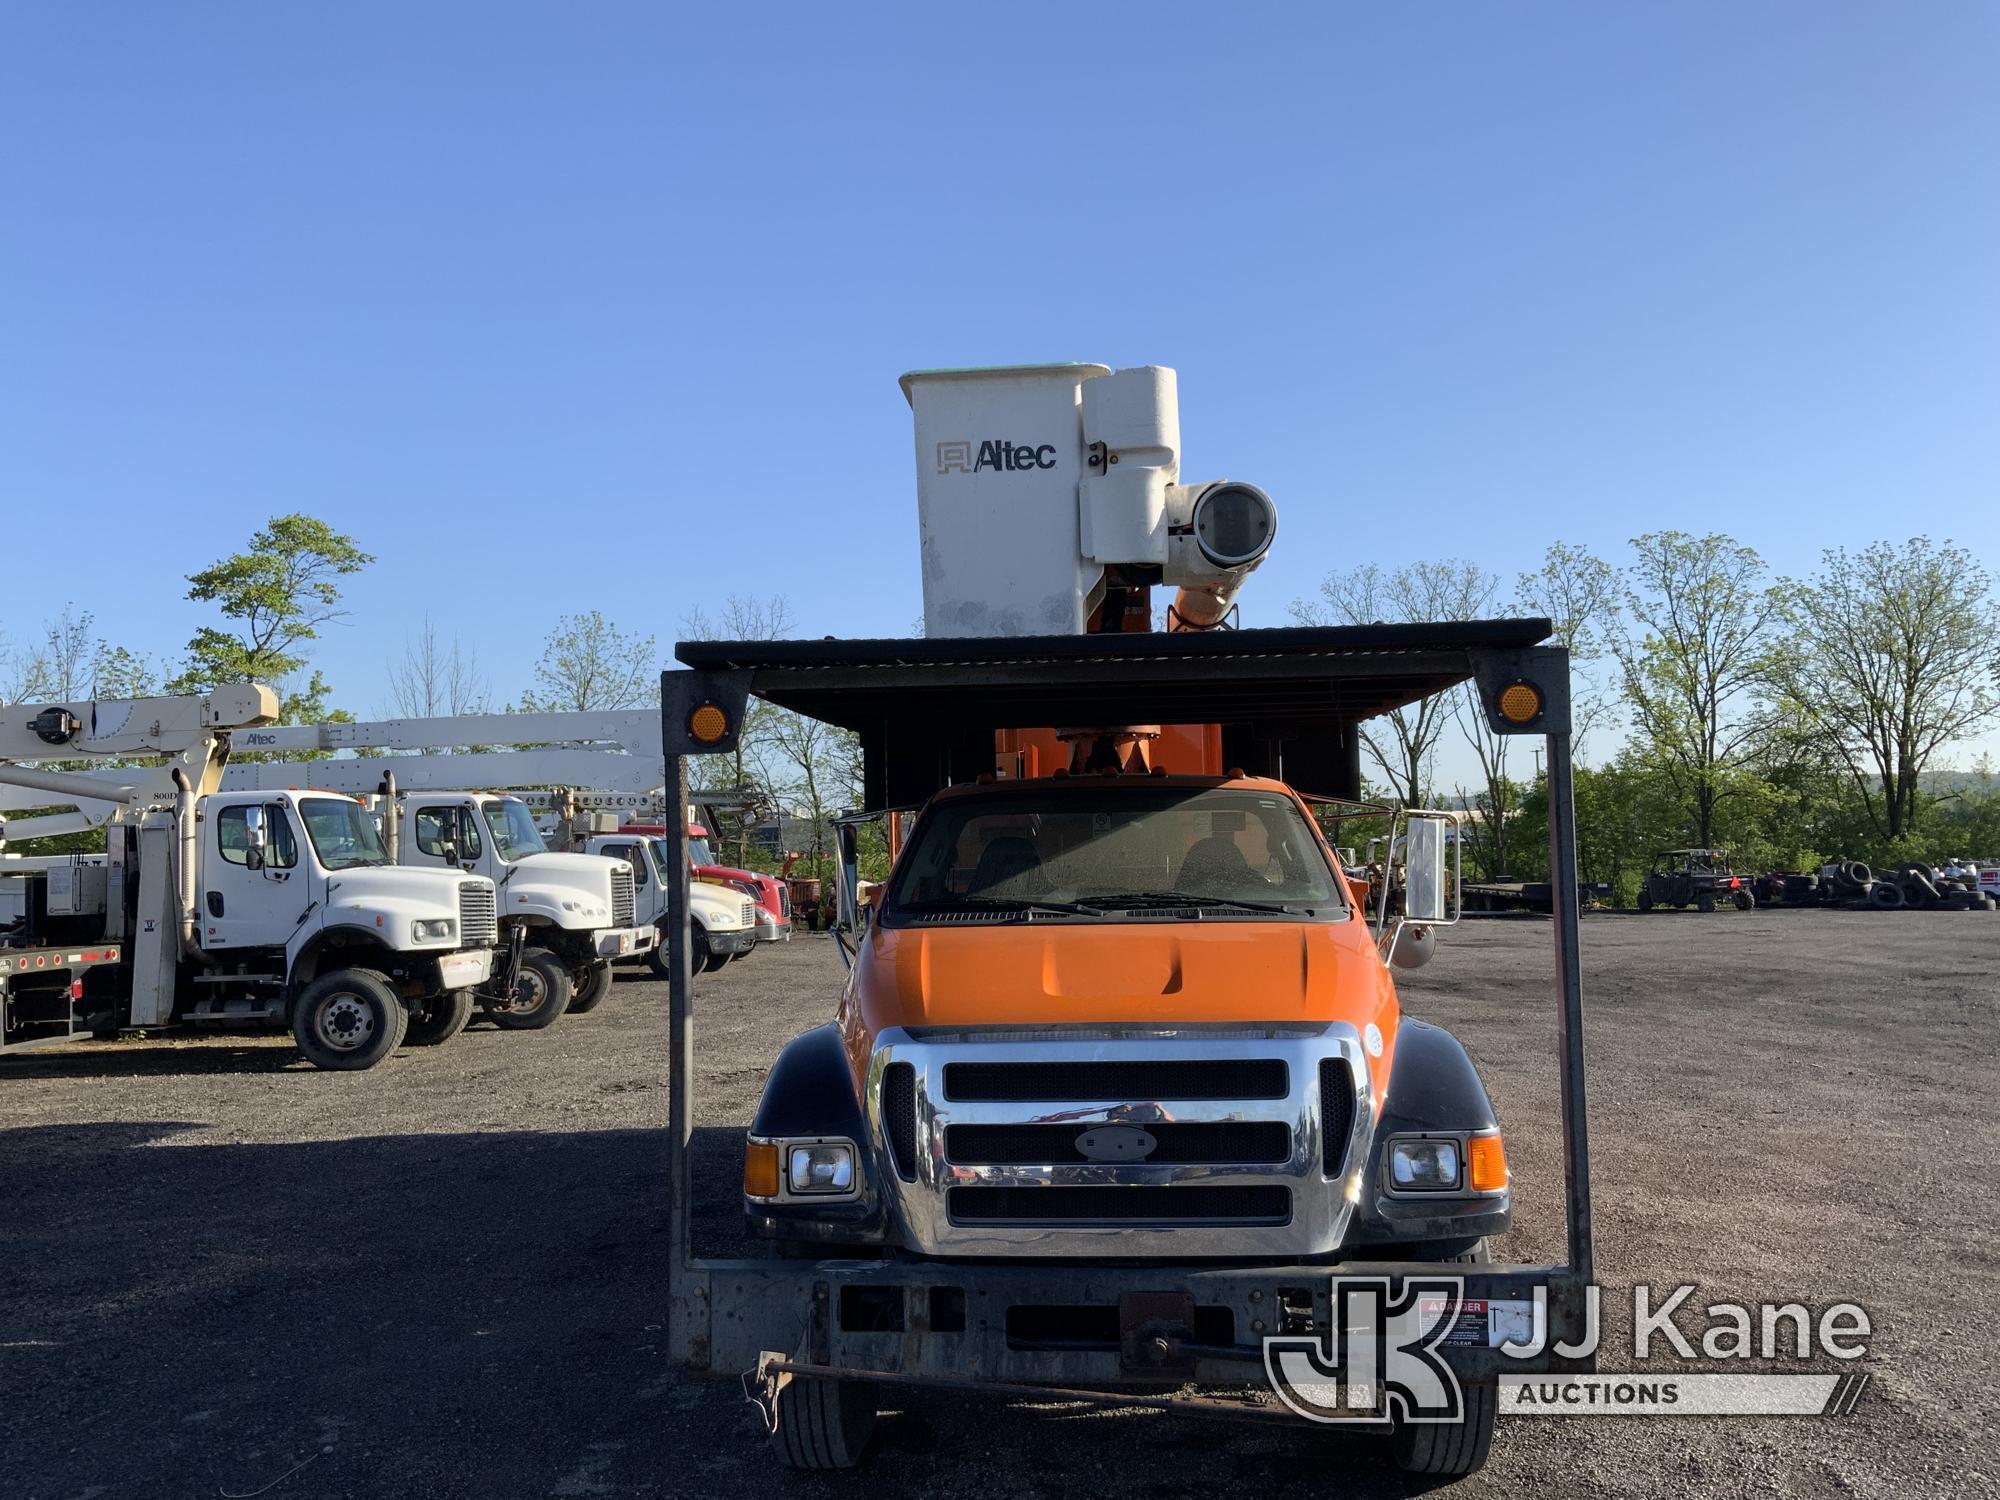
(1154, 1332)
(763, 1384)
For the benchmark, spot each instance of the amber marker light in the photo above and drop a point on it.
(708, 723)
(760, 1169)
(1488, 1160)
(1520, 703)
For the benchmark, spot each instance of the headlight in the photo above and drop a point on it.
(820, 1169)
(435, 930)
(1419, 1166)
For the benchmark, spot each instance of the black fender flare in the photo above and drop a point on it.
(810, 1090)
(1433, 1085)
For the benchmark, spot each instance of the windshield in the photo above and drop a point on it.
(699, 852)
(1117, 852)
(514, 832)
(342, 834)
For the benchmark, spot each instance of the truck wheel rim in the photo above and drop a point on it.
(345, 1022)
(530, 990)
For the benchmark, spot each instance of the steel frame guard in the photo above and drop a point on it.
(687, 1273)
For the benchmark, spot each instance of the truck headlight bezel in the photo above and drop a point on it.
(1482, 1170)
(809, 1169)
(433, 929)
(1423, 1166)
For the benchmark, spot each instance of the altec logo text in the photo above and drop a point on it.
(995, 453)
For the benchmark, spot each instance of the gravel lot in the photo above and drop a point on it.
(444, 1277)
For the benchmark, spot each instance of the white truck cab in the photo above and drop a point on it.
(301, 916)
(724, 920)
(575, 913)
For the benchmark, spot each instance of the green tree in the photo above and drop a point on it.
(589, 663)
(1693, 666)
(1403, 744)
(1890, 653)
(278, 592)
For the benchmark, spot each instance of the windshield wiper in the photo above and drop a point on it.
(1184, 898)
(1000, 903)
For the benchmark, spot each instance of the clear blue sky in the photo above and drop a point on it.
(569, 305)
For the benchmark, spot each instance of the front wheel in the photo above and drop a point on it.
(660, 959)
(348, 1020)
(1745, 901)
(1645, 900)
(443, 1017)
(823, 1424)
(541, 993)
(593, 987)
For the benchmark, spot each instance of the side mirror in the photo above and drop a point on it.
(448, 851)
(1425, 896)
(253, 838)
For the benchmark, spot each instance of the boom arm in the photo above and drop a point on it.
(637, 730)
(473, 771)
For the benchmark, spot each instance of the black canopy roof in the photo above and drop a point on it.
(1303, 676)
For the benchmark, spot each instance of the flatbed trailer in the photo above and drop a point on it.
(1289, 703)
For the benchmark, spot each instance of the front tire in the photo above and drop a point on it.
(1451, 1448)
(348, 1020)
(595, 985)
(1745, 901)
(823, 1424)
(1645, 900)
(541, 993)
(444, 1017)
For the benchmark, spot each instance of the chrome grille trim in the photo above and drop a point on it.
(624, 902)
(749, 913)
(478, 924)
(1320, 1207)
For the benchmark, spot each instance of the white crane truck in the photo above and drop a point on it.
(218, 908)
(574, 914)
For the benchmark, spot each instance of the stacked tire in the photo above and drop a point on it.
(1849, 883)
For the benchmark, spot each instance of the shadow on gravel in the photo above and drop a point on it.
(195, 1059)
(456, 1315)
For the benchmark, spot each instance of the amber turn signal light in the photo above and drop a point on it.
(760, 1169)
(1488, 1160)
(1520, 703)
(708, 723)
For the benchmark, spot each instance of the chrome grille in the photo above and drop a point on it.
(749, 913)
(784, 901)
(477, 925)
(623, 904)
(1254, 1137)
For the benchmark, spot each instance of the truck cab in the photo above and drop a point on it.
(302, 913)
(722, 919)
(1129, 1015)
(774, 901)
(576, 913)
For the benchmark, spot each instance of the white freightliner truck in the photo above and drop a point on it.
(213, 907)
(575, 914)
(565, 749)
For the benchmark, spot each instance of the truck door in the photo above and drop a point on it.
(441, 829)
(246, 907)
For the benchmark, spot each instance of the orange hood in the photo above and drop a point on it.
(1165, 972)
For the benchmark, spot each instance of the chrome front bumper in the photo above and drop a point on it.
(1320, 1205)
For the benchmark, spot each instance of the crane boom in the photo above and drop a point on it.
(637, 730)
